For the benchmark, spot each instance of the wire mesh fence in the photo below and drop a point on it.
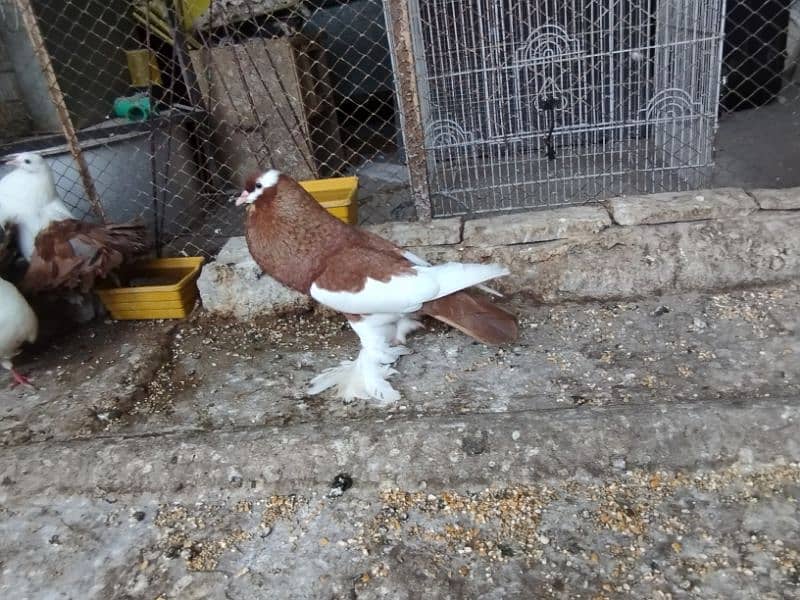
(554, 102)
(175, 102)
(758, 141)
(548, 103)
(524, 103)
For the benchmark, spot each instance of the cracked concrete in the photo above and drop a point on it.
(644, 448)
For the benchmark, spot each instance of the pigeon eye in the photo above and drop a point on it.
(258, 185)
(27, 161)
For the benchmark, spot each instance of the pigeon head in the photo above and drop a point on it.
(30, 162)
(257, 185)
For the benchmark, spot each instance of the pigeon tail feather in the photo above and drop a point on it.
(476, 316)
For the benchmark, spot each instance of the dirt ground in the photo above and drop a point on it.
(643, 449)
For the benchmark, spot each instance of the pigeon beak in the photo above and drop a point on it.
(14, 161)
(242, 199)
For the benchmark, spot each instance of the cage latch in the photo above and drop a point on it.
(549, 104)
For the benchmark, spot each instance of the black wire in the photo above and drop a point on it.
(551, 149)
(164, 188)
(549, 104)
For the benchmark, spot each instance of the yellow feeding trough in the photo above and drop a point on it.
(338, 195)
(162, 288)
(166, 288)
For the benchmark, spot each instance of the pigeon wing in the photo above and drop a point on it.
(360, 280)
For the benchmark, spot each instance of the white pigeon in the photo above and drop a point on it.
(30, 224)
(64, 254)
(28, 199)
(18, 324)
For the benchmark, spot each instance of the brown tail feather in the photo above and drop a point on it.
(476, 316)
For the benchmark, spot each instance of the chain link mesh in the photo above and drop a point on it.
(175, 102)
(758, 140)
(537, 103)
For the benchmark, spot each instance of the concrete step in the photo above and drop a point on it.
(644, 449)
(468, 452)
(210, 374)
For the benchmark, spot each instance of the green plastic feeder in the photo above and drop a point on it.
(133, 108)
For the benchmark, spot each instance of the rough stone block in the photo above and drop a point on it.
(413, 233)
(618, 262)
(784, 199)
(544, 226)
(631, 262)
(233, 285)
(670, 207)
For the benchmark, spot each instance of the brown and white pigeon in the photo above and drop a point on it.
(63, 253)
(18, 324)
(376, 285)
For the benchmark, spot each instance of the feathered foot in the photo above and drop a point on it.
(363, 378)
(366, 376)
(389, 354)
(405, 326)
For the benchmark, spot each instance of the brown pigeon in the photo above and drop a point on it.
(376, 285)
(72, 254)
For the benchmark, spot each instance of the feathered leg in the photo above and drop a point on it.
(366, 376)
(378, 335)
(405, 326)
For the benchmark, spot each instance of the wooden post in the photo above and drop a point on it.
(408, 102)
(57, 98)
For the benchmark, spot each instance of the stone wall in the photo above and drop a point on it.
(627, 248)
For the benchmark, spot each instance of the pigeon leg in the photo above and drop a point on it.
(377, 334)
(366, 376)
(405, 325)
(19, 379)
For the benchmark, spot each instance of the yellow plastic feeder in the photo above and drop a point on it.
(166, 288)
(338, 195)
(161, 288)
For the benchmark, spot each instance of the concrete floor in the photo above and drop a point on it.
(760, 148)
(643, 449)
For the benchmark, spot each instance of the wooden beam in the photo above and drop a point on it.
(398, 22)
